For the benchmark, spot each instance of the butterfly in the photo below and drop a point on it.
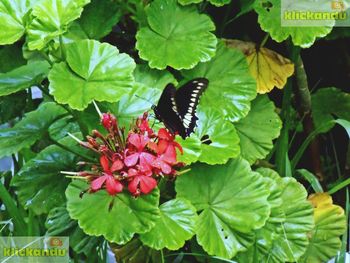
(177, 107)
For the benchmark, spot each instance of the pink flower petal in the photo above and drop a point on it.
(146, 160)
(113, 186)
(147, 184)
(117, 165)
(98, 182)
(133, 185)
(104, 163)
(131, 160)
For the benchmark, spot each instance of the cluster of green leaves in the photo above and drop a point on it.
(233, 211)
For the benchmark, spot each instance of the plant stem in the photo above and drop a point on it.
(263, 42)
(304, 109)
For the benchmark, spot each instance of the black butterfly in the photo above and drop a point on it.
(177, 108)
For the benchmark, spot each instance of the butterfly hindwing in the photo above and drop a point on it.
(177, 108)
(187, 98)
(167, 112)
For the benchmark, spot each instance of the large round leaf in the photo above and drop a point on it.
(192, 148)
(176, 36)
(230, 82)
(257, 130)
(51, 19)
(327, 103)
(23, 77)
(232, 201)
(117, 218)
(58, 223)
(269, 18)
(292, 239)
(31, 128)
(12, 20)
(219, 139)
(40, 184)
(93, 71)
(330, 223)
(176, 225)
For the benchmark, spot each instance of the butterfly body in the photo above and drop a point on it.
(177, 108)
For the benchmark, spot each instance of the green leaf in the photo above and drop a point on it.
(312, 179)
(135, 252)
(39, 183)
(99, 17)
(327, 103)
(58, 223)
(330, 224)
(30, 129)
(292, 239)
(93, 71)
(269, 18)
(257, 130)
(96, 211)
(12, 20)
(219, 139)
(11, 57)
(176, 36)
(232, 201)
(23, 77)
(192, 148)
(345, 124)
(230, 82)
(176, 225)
(214, 2)
(51, 19)
(149, 84)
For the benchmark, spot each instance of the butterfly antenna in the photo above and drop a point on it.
(144, 99)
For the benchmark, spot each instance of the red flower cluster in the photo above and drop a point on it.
(134, 162)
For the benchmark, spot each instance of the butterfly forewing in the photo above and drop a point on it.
(167, 112)
(187, 98)
(177, 108)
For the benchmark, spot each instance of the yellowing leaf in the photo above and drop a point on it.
(269, 68)
(330, 223)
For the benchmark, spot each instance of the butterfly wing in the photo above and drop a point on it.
(187, 98)
(167, 111)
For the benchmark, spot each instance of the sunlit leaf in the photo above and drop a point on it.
(257, 130)
(176, 225)
(269, 68)
(93, 71)
(176, 36)
(230, 83)
(51, 19)
(23, 77)
(330, 224)
(30, 129)
(232, 201)
(269, 18)
(219, 139)
(13, 24)
(96, 211)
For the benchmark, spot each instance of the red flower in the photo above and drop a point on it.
(113, 186)
(137, 144)
(166, 140)
(109, 121)
(143, 125)
(165, 161)
(140, 183)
